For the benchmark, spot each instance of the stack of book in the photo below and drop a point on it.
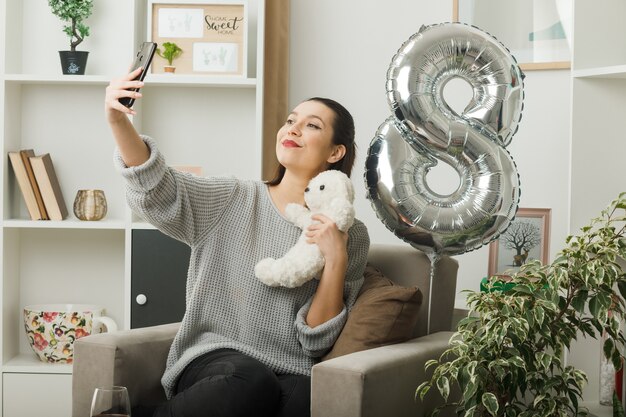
(39, 185)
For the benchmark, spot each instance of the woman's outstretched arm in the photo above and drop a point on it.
(132, 149)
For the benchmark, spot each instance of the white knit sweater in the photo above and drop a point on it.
(230, 225)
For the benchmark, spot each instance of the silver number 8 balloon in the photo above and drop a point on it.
(424, 130)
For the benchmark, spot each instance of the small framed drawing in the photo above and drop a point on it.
(528, 237)
(213, 36)
(537, 32)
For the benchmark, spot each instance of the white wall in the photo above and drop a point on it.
(341, 49)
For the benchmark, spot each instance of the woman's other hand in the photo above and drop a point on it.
(333, 243)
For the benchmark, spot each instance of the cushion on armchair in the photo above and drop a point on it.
(383, 314)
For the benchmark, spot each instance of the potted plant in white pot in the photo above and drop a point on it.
(170, 52)
(74, 13)
(506, 359)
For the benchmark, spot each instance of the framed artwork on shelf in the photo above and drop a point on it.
(527, 238)
(213, 36)
(537, 32)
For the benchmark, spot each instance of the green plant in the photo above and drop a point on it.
(506, 356)
(75, 12)
(170, 53)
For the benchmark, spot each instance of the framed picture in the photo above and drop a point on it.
(528, 237)
(537, 32)
(213, 36)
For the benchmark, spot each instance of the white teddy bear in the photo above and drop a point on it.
(330, 193)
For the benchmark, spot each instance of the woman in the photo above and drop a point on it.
(244, 348)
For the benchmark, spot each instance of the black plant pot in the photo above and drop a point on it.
(73, 62)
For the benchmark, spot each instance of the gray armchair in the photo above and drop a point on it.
(378, 382)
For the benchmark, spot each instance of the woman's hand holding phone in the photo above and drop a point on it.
(122, 93)
(120, 88)
(132, 148)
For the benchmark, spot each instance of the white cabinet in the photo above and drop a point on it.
(206, 121)
(33, 395)
(598, 142)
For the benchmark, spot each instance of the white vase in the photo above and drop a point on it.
(607, 378)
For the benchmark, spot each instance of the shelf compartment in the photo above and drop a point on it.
(222, 145)
(66, 121)
(57, 79)
(199, 81)
(599, 34)
(109, 50)
(65, 224)
(36, 394)
(597, 146)
(29, 363)
(68, 266)
(184, 80)
(614, 71)
(141, 225)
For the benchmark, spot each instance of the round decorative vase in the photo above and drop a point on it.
(73, 62)
(90, 205)
(169, 69)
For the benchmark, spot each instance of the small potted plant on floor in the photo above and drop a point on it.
(507, 357)
(170, 52)
(74, 13)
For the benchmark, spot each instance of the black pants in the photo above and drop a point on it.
(226, 383)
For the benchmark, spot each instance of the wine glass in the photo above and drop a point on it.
(110, 402)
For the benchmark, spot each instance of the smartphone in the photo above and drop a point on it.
(142, 59)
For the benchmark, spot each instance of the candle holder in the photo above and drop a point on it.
(90, 205)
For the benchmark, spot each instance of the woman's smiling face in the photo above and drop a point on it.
(304, 143)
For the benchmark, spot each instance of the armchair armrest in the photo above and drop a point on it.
(132, 358)
(377, 382)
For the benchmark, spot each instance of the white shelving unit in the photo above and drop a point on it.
(598, 143)
(207, 121)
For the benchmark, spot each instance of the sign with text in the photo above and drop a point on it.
(212, 36)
